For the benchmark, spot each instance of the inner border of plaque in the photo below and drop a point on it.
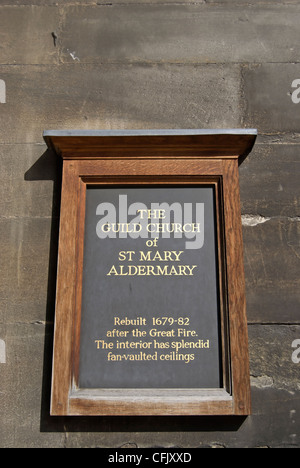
(222, 313)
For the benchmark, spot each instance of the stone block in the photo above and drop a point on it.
(271, 364)
(27, 277)
(28, 178)
(91, 2)
(26, 35)
(139, 96)
(256, 3)
(24, 383)
(268, 96)
(181, 33)
(269, 181)
(272, 253)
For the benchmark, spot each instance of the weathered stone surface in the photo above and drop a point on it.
(181, 33)
(254, 2)
(26, 185)
(22, 389)
(127, 2)
(26, 35)
(269, 181)
(93, 2)
(275, 387)
(274, 420)
(268, 94)
(112, 96)
(24, 281)
(271, 357)
(272, 258)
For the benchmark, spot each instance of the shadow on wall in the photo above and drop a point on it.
(49, 167)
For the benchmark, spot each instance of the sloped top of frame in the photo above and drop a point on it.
(99, 144)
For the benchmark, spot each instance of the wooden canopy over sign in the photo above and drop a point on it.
(150, 311)
(168, 143)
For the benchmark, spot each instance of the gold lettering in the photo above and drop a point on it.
(152, 270)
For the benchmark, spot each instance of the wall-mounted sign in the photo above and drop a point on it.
(150, 314)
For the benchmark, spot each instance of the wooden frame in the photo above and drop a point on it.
(146, 158)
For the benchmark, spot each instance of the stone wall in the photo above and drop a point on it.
(139, 64)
